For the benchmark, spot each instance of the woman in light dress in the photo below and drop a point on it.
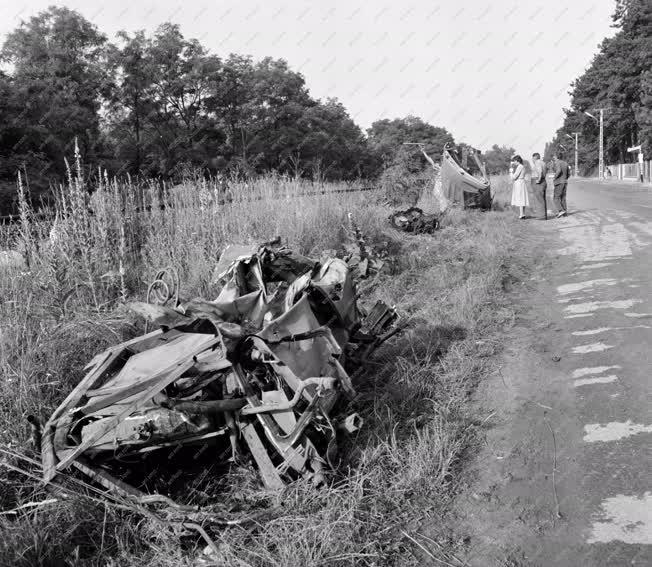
(519, 191)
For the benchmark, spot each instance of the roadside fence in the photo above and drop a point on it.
(630, 171)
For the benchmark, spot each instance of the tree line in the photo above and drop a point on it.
(619, 79)
(157, 106)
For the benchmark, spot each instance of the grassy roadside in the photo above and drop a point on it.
(396, 475)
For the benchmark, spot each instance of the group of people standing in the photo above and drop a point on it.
(539, 184)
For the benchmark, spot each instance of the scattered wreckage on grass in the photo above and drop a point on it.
(263, 370)
(456, 180)
(455, 184)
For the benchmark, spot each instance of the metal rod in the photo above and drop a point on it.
(206, 407)
(323, 382)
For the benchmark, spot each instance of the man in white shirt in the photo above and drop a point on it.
(539, 185)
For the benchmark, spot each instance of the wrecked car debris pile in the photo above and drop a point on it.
(414, 220)
(259, 373)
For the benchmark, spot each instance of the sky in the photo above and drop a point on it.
(493, 72)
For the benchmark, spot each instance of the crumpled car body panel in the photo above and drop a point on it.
(258, 371)
(461, 186)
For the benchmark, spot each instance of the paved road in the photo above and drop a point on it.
(575, 391)
(607, 304)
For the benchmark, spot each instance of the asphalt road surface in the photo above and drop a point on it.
(565, 478)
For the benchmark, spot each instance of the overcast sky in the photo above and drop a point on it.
(490, 72)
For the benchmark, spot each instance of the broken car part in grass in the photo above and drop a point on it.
(460, 184)
(458, 181)
(262, 372)
(414, 220)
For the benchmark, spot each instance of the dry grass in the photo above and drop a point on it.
(501, 188)
(396, 476)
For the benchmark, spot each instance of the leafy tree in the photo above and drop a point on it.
(160, 104)
(59, 75)
(130, 99)
(644, 113)
(386, 138)
(278, 100)
(331, 144)
(151, 105)
(175, 103)
(9, 138)
(497, 159)
(183, 74)
(231, 102)
(258, 105)
(159, 111)
(617, 80)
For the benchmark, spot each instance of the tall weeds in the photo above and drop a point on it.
(395, 477)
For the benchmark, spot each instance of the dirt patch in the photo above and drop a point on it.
(513, 510)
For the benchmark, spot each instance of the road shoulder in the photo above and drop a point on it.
(513, 509)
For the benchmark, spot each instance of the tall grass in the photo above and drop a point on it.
(396, 475)
(501, 189)
(105, 248)
(115, 239)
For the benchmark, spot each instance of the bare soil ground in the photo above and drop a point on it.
(511, 499)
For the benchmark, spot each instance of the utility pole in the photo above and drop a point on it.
(601, 148)
(601, 154)
(576, 134)
(576, 170)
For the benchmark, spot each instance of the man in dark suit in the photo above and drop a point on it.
(562, 171)
(538, 181)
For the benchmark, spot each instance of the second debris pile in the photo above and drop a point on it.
(414, 220)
